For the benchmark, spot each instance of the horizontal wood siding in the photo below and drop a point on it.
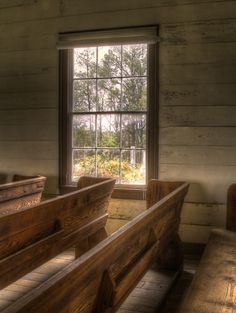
(197, 91)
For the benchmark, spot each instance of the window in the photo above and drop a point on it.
(109, 106)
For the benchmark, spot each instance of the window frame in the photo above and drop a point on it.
(65, 124)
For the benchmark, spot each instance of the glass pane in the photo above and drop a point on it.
(134, 60)
(85, 62)
(84, 95)
(84, 131)
(83, 163)
(108, 163)
(109, 94)
(133, 130)
(108, 130)
(134, 94)
(133, 166)
(109, 61)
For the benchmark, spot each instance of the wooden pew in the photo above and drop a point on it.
(214, 284)
(231, 208)
(100, 280)
(213, 289)
(23, 191)
(33, 235)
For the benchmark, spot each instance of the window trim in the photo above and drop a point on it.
(65, 137)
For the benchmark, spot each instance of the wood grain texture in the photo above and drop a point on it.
(76, 288)
(213, 286)
(31, 236)
(197, 69)
(23, 192)
(231, 208)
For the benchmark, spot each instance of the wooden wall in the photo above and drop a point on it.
(197, 91)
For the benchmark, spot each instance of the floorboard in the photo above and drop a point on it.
(147, 297)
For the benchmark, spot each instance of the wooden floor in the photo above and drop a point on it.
(150, 294)
(147, 297)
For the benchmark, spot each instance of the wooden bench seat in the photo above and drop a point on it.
(33, 235)
(100, 279)
(213, 289)
(22, 192)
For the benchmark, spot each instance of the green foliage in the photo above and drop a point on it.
(110, 79)
(109, 168)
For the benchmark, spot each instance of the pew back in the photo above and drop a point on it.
(23, 191)
(33, 235)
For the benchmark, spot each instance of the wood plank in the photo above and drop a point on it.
(210, 188)
(76, 282)
(45, 81)
(213, 286)
(27, 166)
(195, 233)
(209, 214)
(29, 100)
(35, 62)
(92, 6)
(22, 192)
(151, 15)
(199, 136)
(219, 116)
(217, 53)
(26, 117)
(33, 235)
(195, 155)
(28, 10)
(41, 150)
(198, 94)
(27, 41)
(194, 73)
(205, 214)
(201, 31)
(230, 208)
(28, 133)
(14, 3)
(118, 208)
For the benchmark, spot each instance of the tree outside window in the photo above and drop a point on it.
(109, 112)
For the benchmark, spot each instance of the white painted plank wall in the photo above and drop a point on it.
(197, 91)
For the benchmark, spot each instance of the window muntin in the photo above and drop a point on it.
(109, 112)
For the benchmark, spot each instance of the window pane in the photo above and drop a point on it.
(133, 167)
(134, 60)
(108, 130)
(83, 163)
(84, 131)
(85, 62)
(134, 94)
(109, 94)
(84, 95)
(133, 130)
(108, 163)
(109, 61)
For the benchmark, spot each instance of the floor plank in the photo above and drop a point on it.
(147, 297)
